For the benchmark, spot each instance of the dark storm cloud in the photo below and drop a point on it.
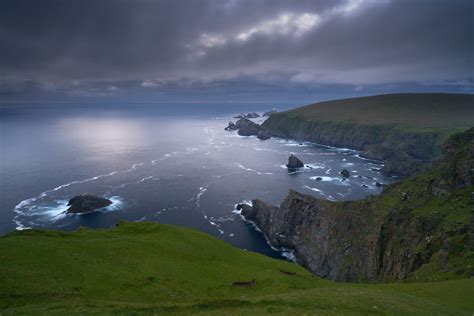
(63, 43)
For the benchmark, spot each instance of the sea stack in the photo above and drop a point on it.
(231, 127)
(294, 162)
(345, 173)
(263, 135)
(85, 203)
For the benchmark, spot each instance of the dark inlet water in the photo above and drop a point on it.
(179, 170)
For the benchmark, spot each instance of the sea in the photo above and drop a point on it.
(166, 163)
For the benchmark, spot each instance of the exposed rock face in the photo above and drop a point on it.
(404, 152)
(243, 122)
(87, 203)
(231, 127)
(252, 115)
(396, 162)
(250, 130)
(345, 173)
(420, 228)
(294, 162)
(263, 135)
(269, 113)
(247, 127)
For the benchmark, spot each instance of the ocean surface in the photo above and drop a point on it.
(165, 167)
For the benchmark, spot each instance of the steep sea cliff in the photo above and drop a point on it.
(420, 228)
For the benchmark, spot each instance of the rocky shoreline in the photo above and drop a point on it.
(420, 227)
(398, 161)
(404, 153)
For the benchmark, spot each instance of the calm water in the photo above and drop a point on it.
(179, 170)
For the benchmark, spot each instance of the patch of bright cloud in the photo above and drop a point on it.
(351, 6)
(208, 40)
(284, 24)
(150, 84)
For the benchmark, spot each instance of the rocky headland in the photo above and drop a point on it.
(417, 229)
(406, 131)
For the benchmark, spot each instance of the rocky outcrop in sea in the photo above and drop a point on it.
(85, 203)
(231, 127)
(248, 128)
(294, 162)
(263, 135)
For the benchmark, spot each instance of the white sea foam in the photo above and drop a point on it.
(312, 189)
(252, 170)
(27, 207)
(314, 166)
(123, 185)
(288, 254)
(325, 178)
(202, 190)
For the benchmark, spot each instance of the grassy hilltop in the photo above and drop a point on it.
(418, 111)
(413, 111)
(404, 130)
(154, 268)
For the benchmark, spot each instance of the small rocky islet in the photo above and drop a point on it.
(86, 203)
(246, 127)
(294, 163)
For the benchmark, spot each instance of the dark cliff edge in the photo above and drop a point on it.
(404, 130)
(417, 229)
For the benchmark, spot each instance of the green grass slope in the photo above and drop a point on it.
(149, 268)
(409, 110)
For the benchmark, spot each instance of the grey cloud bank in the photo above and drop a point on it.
(159, 48)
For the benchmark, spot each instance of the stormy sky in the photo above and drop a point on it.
(233, 50)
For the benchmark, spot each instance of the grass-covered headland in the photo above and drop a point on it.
(154, 268)
(405, 129)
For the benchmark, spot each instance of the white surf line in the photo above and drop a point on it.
(217, 226)
(202, 190)
(27, 202)
(325, 195)
(157, 213)
(211, 220)
(217, 222)
(312, 189)
(252, 170)
(188, 150)
(121, 186)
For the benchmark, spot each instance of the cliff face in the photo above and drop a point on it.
(404, 151)
(420, 228)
